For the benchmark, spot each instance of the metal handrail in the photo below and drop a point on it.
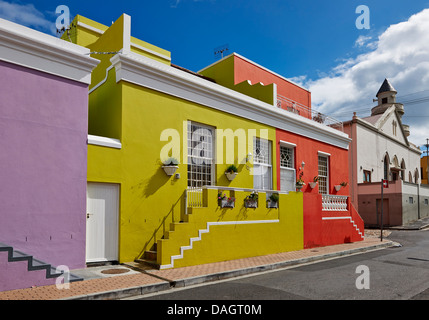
(304, 111)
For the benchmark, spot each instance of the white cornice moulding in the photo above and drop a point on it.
(39, 51)
(151, 74)
(104, 142)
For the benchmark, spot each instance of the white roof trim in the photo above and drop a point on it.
(155, 75)
(104, 142)
(39, 51)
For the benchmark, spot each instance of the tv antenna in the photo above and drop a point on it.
(219, 51)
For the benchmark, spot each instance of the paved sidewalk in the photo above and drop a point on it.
(125, 280)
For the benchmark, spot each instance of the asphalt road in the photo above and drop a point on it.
(399, 273)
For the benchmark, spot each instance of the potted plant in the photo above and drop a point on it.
(273, 200)
(251, 201)
(224, 201)
(300, 183)
(231, 172)
(314, 183)
(170, 166)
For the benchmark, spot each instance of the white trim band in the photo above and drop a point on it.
(104, 142)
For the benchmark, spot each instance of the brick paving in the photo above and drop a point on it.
(151, 277)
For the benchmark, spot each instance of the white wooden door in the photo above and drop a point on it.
(102, 222)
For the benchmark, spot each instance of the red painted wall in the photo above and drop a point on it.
(307, 150)
(318, 232)
(244, 70)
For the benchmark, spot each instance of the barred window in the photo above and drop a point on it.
(323, 175)
(286, 157)
(200, 155)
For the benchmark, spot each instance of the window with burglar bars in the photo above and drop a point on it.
(286, 157)
(323, 175)
(200, 155)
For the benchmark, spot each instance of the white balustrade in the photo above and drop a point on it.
(334, 203)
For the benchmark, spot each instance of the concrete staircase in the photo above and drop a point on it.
(149, 257)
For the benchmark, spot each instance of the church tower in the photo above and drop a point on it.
(386, 97)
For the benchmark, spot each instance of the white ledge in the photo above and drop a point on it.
(104, 142)
(39, 51)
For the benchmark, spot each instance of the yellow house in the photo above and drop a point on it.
(143, 111)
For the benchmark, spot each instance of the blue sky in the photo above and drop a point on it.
(315, 43)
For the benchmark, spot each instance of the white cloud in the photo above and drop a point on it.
(362, 41)
(401, 54)
(27, 15)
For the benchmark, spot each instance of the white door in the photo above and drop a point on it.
(102, 222)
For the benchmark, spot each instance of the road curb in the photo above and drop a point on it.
(168, 284)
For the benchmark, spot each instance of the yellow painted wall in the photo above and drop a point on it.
(151, 200)
(235, 241)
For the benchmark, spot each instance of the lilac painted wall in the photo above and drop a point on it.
(14, 275)
(43, 134)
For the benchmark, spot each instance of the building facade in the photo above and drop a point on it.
(143, 205)
(380, 150)
(43, 126)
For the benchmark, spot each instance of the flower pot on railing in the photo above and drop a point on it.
(273, 201)
(251, 203)
(226, 203)
(272, 204)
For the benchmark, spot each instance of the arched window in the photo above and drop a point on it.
(403, 170)
(386, 166)
(410, 177)
(416, 176)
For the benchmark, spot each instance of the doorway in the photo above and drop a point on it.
(102, 222)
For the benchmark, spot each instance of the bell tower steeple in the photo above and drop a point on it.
(386, 97)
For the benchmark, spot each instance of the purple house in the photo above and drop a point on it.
(43, 141)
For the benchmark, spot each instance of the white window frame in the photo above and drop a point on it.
(268, 165)
(327, 156)
(191, 164)
(291, 146)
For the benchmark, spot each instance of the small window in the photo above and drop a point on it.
(384, 100)
(411, 200)
(426, 202)
(366, 176)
